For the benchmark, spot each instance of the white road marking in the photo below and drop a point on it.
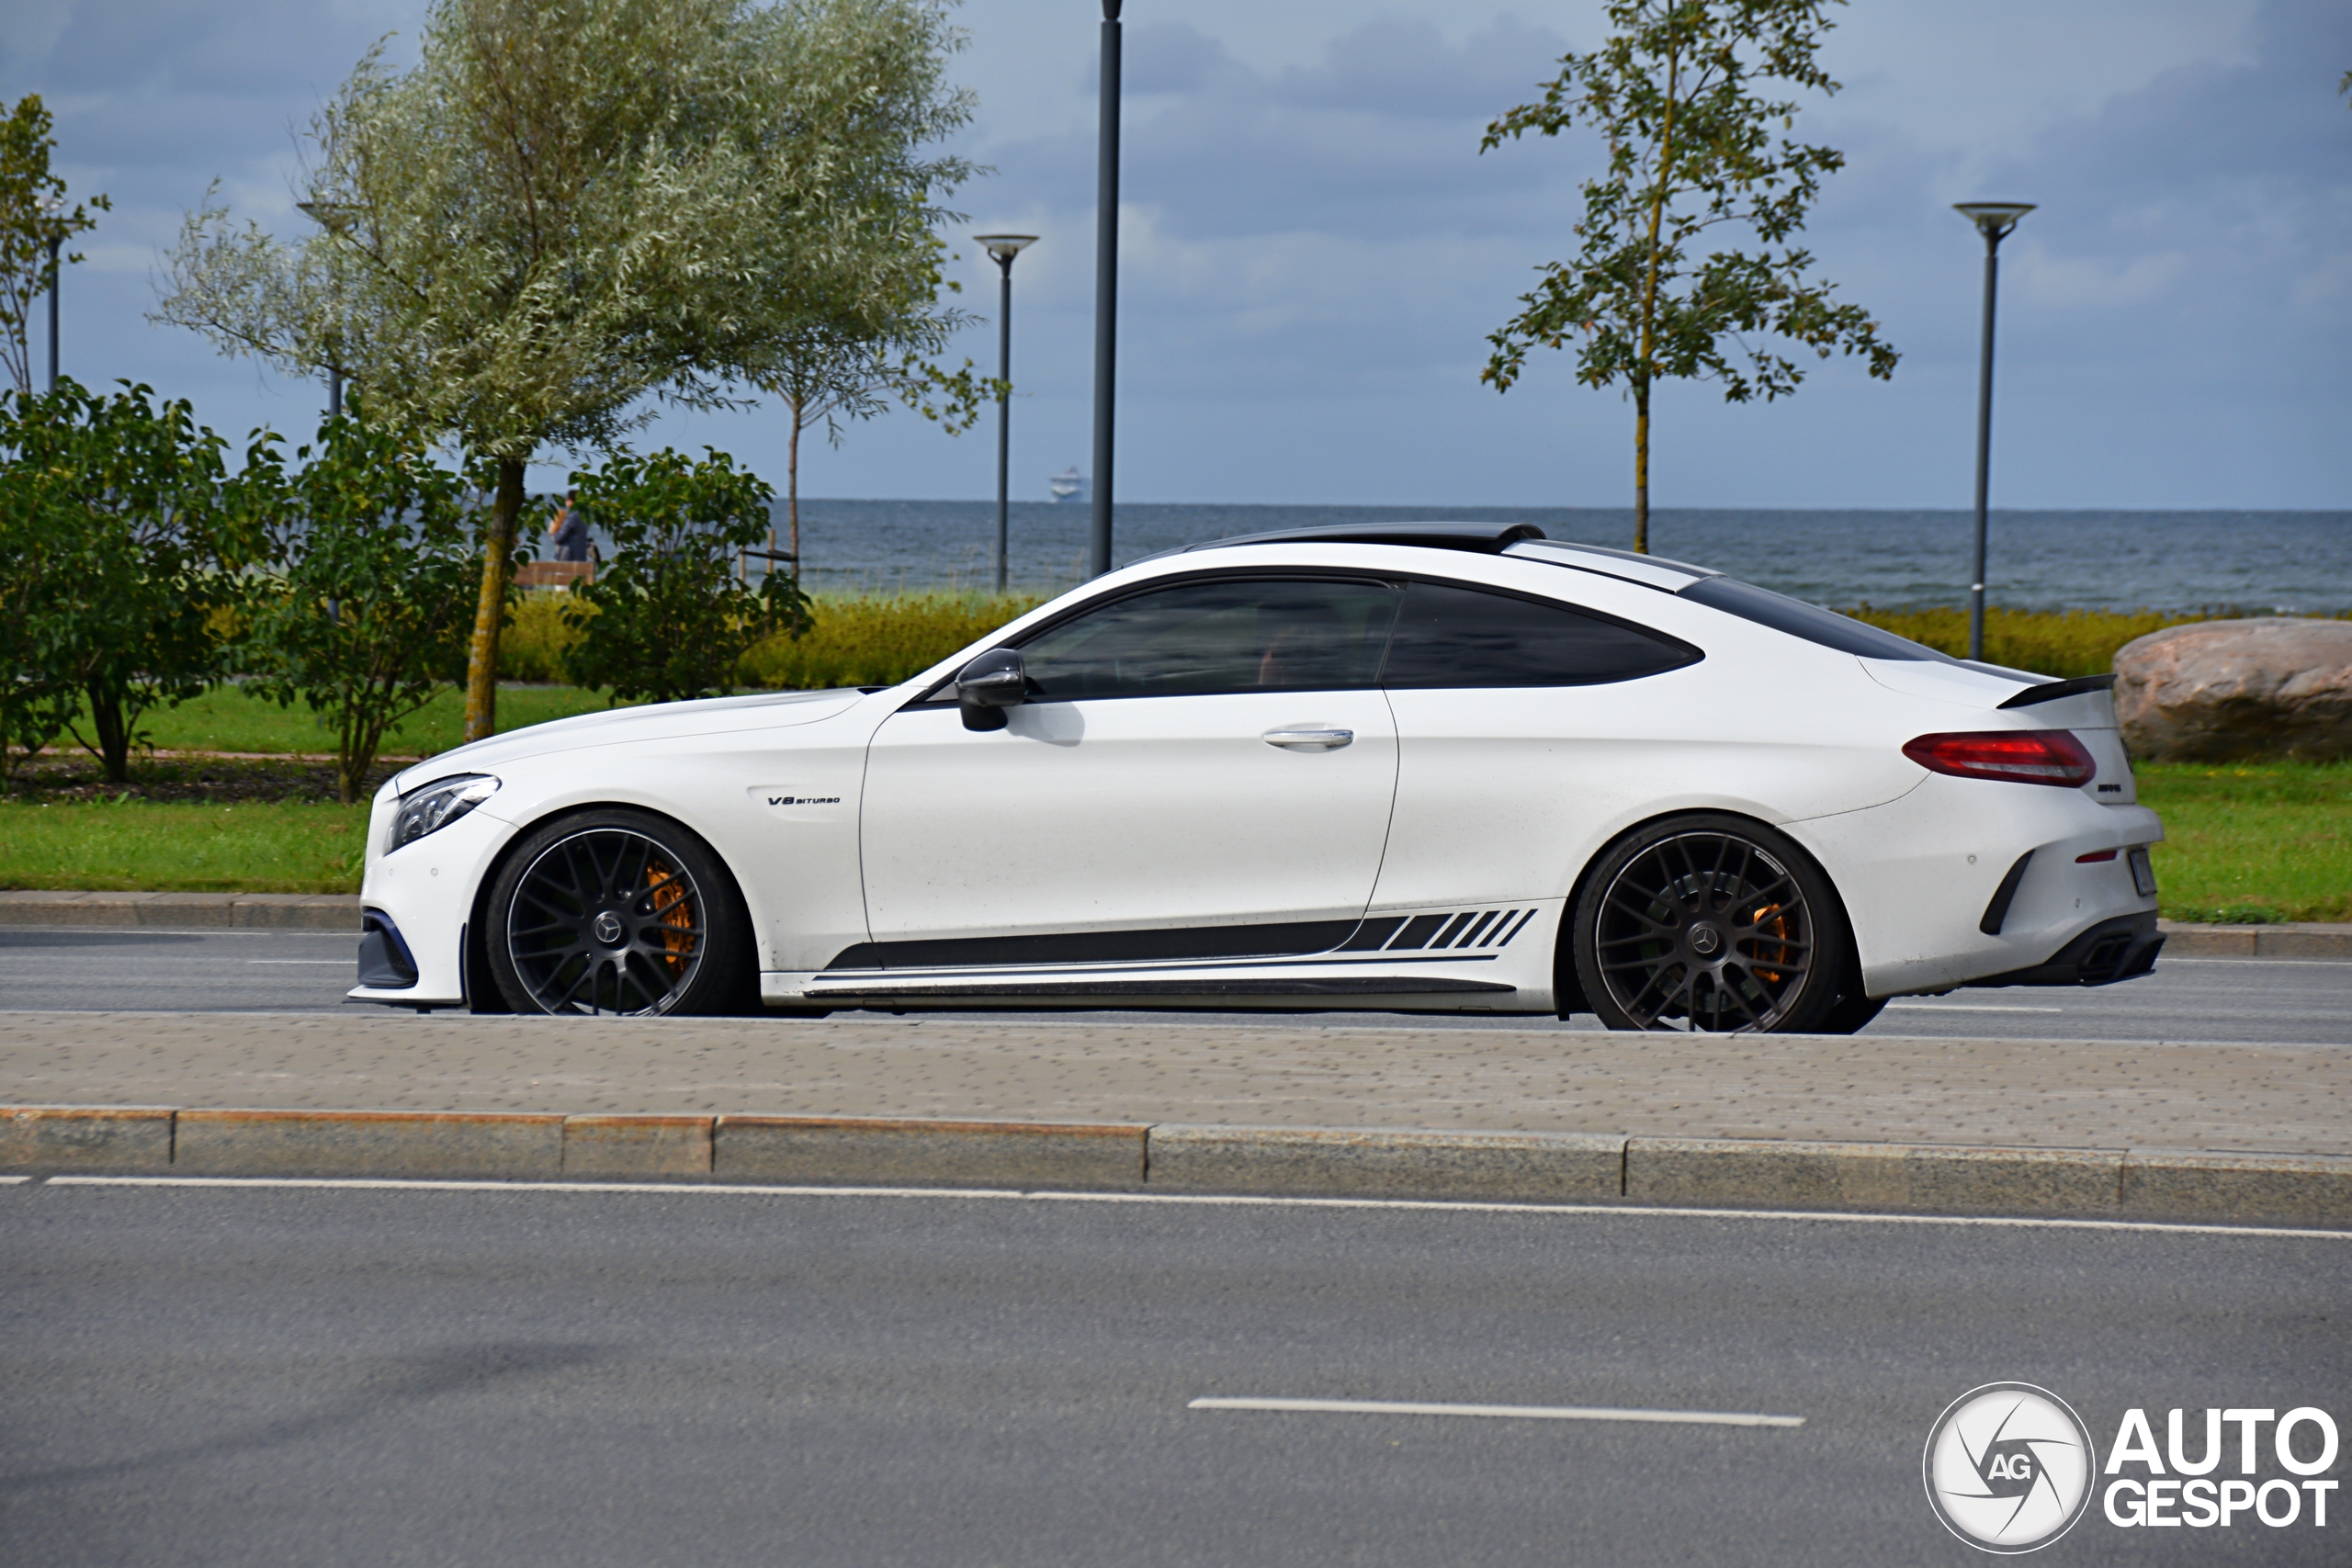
(1508, 1412)
(13, 1181)
(328, 961)
(1968, 1007)
(2300, 963)
(714, 1189)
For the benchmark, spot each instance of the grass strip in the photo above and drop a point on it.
(149, 847)
(2252, 843)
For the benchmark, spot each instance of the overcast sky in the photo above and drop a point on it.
(1314, 249)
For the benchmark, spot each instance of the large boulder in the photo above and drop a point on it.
(2219, 690)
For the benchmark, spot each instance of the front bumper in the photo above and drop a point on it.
(425, 891)
(2124, 948)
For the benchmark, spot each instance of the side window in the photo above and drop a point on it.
(1228, 635)
(1462, 637)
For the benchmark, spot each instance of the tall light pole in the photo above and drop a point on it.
(333, 217)
(1994, 220)
(1004, 247)
(1106, 284)
(50, 207)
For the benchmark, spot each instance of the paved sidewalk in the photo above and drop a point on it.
(1886, 1089)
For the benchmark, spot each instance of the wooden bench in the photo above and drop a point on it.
(543, 575)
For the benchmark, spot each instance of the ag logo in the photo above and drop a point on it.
(2010, 1466)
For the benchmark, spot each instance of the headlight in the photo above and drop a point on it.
(437, 804)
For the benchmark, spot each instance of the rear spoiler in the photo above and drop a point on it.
(2051, 691)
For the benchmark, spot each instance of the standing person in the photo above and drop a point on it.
(569, 529)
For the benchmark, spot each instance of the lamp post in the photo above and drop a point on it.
(50, 207)
(1994, 220)
(333, 217)
(1004, 247)
(1106, 284)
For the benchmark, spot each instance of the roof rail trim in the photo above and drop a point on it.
(1486, 538)
(1658, 563)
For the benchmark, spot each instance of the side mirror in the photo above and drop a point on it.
(990, 684)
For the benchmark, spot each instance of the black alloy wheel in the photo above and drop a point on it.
(1710, 924)
(618, 912)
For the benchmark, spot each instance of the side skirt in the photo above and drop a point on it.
(1128, 990)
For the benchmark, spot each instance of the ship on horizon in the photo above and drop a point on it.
(1068, 485)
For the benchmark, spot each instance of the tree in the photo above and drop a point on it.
(666, 618)
(364, 618)
(832, 373)
(34, 703)
(569, 205)
(33, 218)
(1691, 149)
(142, 555)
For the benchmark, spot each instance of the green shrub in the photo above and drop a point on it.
(2074, 642)
(537, 637)
(674, 621)
(862, 641)
(856, 640)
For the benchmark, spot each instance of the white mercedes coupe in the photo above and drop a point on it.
(1431, 768)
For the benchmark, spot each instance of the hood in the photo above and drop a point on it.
(657, 721)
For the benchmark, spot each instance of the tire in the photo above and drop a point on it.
(1850, 1013)
(619, 911)
(1710, 922)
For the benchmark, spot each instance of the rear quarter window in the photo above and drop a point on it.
(1810, 622)
(1449, 635)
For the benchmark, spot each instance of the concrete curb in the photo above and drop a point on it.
(1899, 1178)
(2309, 939)
(871, 1152)
(185, 911)
(1531, 1167)
(340, 912)
(1558, 1167)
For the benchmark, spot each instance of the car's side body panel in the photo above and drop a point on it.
(1126, 813)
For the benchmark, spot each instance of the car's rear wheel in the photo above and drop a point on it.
(1710, 922)
(618, 911)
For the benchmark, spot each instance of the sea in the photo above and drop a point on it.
(2246, 562)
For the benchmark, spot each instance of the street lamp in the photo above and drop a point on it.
(333, 217)
(1994, 220)
(1106, 283)
(1004, 247)
(51, 204)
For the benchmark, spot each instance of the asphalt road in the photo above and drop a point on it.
(258, 1376)
(2275, 1002)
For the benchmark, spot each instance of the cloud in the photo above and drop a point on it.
(1314, 249)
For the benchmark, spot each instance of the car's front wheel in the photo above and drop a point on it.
(1709, 922)
(618, 911)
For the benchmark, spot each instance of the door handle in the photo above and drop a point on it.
(1308, 739)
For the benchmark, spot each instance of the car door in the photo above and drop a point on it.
(1522, 722)
(1194, 759)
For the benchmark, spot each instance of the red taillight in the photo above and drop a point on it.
(2020, 756)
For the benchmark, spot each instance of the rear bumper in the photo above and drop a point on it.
(2123, 948)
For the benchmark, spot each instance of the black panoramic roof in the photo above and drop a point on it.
(1485, 538)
